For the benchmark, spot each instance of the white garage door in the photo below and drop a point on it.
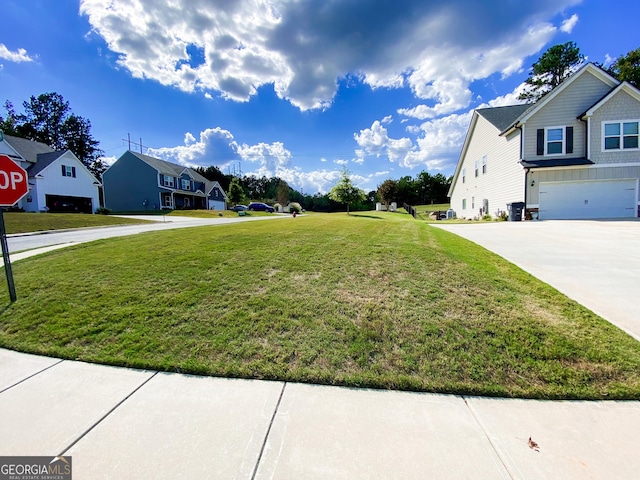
(581, 200)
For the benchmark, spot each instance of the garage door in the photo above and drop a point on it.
(63, 203)
(582, 200)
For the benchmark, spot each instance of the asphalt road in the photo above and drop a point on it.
(20, 242)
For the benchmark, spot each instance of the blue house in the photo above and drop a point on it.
(140, 182)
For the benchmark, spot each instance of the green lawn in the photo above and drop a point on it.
(17, 222)
(371, 299)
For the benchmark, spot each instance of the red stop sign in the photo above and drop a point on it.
(13, 182)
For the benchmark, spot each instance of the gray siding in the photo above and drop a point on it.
(563, 110)
(621, 106)
(128, 183)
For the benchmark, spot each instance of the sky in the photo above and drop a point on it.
(299, 89)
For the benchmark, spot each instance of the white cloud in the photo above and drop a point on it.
(17, 56)
(569, 24)
(341, 162)
(303, 49)
(214, 146)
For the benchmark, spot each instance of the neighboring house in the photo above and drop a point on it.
(58, 181)
(574, 154)
(140, 182)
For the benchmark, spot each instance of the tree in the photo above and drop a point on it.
(627, 68)
(283, 193)
(554, 66)
(235, 193)
(387, 192)
(345, 192)
(48, 119)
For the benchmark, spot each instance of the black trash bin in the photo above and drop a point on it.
(515, 211)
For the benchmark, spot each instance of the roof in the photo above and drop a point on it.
(503, 117)
(556, 162)
(44, 160)
(173, 169)
(28, 149)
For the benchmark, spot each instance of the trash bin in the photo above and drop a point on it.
(515, 211)
(450, 214)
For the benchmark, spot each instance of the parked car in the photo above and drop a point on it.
(261, 207)
(238, 208)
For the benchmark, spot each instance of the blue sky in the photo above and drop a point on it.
(294, 88)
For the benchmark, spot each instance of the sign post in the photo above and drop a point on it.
(13, 186)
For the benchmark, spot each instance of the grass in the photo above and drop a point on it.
(372, 299)
(16, 222)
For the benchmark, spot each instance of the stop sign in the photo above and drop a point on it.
(13, 182)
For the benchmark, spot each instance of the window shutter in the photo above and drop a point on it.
(569, 139)
(540, 144)
(64, 171)
(73, 172)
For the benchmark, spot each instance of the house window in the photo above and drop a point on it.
(68, 171)
(621, 136)
(484, 164)
(464, 203)
(464, 175)
(476, 168)
(168, 181)
(186, 184)
(555, 141)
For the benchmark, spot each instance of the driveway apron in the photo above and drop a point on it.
(596, 263)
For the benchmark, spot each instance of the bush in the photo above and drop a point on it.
(103, 211)
(295, 207)
(486, 217)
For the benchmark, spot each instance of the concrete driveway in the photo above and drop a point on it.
(596, 263)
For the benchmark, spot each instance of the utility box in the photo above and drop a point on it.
(515, 211)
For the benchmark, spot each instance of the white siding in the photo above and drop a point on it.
(563, 110)
(504, 180)
(51, 182)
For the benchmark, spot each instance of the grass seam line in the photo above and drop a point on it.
(31, 376)
(82, 435)
(266, 436)
(486, 434)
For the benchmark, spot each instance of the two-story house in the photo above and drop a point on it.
(140, 182)
(58, 181)
(574, 154)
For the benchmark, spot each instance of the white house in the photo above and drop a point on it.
(572, 155)
(58, 181)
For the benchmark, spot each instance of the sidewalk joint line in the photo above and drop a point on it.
(101, 419)
(266, 437)
(31, 376)
(486, 434)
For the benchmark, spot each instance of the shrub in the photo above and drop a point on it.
(486, 217)
(103, 211)
(295, 207)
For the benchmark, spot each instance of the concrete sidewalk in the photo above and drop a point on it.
(123, 423)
